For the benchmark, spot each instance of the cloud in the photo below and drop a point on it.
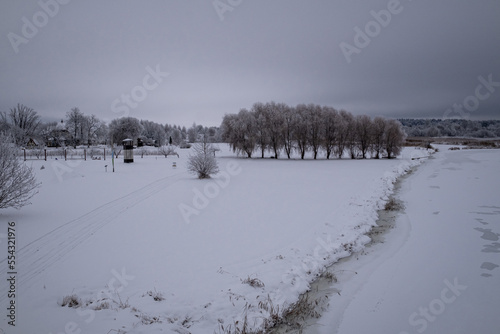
(426, 59)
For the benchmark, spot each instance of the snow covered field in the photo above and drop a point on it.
(152, 249)
(438, 270)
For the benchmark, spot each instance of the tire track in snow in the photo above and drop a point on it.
(35, 257)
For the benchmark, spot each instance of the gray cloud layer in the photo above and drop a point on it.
(427, 57)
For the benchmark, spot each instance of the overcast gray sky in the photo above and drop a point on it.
(111, 58)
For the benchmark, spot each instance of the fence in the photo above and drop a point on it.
(93, 153)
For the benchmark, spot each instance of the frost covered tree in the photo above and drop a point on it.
(329, 129)
(289, 115)
(203, 162)
(239, 131)
(364, 129)
(301, 129)
(394, 138)
(346, 138)
(341, 134)
(273, 116)
(21, 122)
(261, 131)
(378, 132)
(93, 127)
(75, 122)
(123, 128)
(314, 125)
(153, 133)
(17, 181)
(192, 133)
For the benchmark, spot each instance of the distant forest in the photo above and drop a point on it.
(451, 128)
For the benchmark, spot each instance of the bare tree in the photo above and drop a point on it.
(301, 129)
(167, 150)
(74, 122)
(342, 132)
(329, 129)
(314, 124)
(92, 125)
(239, 131)
(289, 115)
(261, 131)
(274, 124)
(378, 132)
(394, 138)
(364, 128)
(203, 162)
(351, 135)
(22, 123)
(17, 181)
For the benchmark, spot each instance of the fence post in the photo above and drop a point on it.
(65, 157)
(24, 150)
(105, 154)
(85, 154)
(45, 151)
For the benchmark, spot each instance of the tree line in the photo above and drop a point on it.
(279, 128)
(451, 128)
(22, 124)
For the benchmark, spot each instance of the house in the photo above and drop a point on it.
(33, 143)
(59, 136)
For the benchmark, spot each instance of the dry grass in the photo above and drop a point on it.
(148, 319)
(393, 205)
(102, 305)
(71, 301)
(157, 296)
(330, 277)
(253, 282)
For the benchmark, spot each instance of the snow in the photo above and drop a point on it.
(115, 240)
(437, 271)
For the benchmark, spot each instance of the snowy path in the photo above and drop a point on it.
(438, 271)
(40, 254)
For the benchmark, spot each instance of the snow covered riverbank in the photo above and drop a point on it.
(120, 247)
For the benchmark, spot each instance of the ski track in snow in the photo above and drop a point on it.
(43, 252)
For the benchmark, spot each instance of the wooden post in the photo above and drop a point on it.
(85, 154)
(105, 154)
(45, 151)
(24, 150)
(65, 156)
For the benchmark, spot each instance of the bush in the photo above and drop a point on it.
(17, 181)
(203, 162)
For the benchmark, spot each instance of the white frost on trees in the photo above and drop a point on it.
(17, 181)
(276, 127)
(202, 162)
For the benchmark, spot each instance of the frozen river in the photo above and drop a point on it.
(438, 271)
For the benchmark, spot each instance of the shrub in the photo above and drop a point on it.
(203, 162)
(71, 301)
(17, 181)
